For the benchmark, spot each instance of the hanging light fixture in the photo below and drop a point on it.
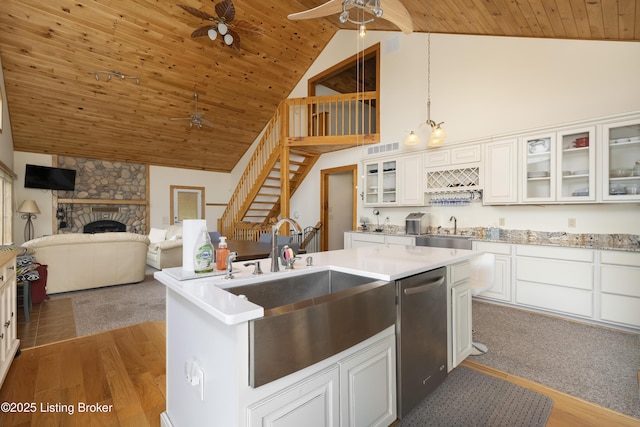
(437, 136)
(372, 6)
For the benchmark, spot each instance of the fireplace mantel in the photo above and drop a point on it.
(101, 202)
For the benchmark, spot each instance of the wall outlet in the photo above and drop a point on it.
(501, 222)
(572, 223)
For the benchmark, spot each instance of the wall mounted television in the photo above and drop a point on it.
(44, 177)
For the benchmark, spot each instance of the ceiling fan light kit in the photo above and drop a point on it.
(222, 24)
(196, 119)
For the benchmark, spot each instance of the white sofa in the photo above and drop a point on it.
(165, 248)
(84, 261)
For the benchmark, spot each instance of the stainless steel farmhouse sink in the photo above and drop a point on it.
(310, 317)
(444, 241)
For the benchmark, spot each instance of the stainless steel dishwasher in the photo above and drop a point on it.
(421, 333)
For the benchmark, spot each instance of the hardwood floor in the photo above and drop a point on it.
(50, 321)
(123, 371)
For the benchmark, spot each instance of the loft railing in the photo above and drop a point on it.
(317, 120)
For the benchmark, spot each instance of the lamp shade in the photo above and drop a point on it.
(412, 139)
(29, 206)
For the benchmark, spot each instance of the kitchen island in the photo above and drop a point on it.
(208, 350)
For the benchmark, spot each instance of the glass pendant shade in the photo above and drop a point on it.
(222, 28)
(212, 33)
(228, 39)
(412, 139)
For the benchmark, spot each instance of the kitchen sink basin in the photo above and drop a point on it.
(444, 241)
(310, 317)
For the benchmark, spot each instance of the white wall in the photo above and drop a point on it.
(217, 186)
(484, 86)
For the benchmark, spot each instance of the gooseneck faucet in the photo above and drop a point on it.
(275, 264)
(230, 258)
(455, 224)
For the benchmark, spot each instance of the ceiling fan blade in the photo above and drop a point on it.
(196, 12)
(247, 27)
(225, 9)
(202, 31)
(236, 40)
(206, 123)
(395, 12)
(180, 118)
(329, 8)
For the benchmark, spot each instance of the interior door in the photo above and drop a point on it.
(186, 203)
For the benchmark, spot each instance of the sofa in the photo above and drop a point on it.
(84, 261)
(165, 247)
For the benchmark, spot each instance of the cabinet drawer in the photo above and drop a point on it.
(620, 280)
(372, 238)
(465, 155)
(460, 272)
(437, 158)
(620, 258)
(620, 309)
(562, 273)
(401, 240)
(569, 254)
(557, 298)
(494, 248)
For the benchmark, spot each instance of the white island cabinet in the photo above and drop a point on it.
(208, 350)
(9, 341)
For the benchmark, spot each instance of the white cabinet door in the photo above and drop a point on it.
(500, 172)
(411, 180)
(501, 289)
(576, 166)
(461, 321)
(538, 170)
(9, 341)
(620, 154)
(620, 287)
(368, 386)
(311, 403)
(359, 240)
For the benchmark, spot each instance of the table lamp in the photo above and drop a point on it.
(28, 209)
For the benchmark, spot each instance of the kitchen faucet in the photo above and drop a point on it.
(230, 258)
(455, 224)
(275, 264)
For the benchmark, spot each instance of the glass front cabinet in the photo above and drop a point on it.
(560, 166)
(621, 161)
(381, 183)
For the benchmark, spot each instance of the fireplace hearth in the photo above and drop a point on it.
(104, 226)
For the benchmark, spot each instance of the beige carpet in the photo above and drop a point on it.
(593, 363)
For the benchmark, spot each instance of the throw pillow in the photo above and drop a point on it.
(156, 235)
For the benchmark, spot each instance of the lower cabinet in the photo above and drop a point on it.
(459, 313)
(353, 239)
(554, 278)
(359, 390)
(9, 342)
(501, 289)
(620, 287)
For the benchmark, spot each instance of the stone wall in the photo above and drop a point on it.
(104, 180)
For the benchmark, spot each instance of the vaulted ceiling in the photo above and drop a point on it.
(51, 50)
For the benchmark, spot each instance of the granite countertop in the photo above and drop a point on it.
(377, 262)
(619, 242)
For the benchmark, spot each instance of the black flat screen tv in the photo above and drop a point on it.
(36, 176)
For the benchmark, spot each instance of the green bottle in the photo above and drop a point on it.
(203, 253)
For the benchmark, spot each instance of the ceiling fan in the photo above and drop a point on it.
(196, 118)
(393, 11)
(222, 24)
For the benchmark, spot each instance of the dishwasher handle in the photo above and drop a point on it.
(424, 288)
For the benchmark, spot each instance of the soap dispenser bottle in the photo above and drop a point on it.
(221, 254)
(203, 253)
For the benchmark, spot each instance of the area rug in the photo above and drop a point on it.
(113, 307)
(471, 398)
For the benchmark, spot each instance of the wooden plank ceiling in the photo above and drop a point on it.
(51, 50)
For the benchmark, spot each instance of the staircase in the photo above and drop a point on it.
(300, 131)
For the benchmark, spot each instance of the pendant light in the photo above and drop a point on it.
(437, 136)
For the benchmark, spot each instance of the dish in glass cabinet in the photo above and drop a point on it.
(539, 146)
(581, 172)
(538, 174)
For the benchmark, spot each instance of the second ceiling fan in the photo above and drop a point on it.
(391, 10)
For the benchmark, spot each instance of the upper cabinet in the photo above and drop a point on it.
(589, 162)
(381, 182)
(621, 161)
(576, 165)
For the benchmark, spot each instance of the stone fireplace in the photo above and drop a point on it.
(105, 193)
